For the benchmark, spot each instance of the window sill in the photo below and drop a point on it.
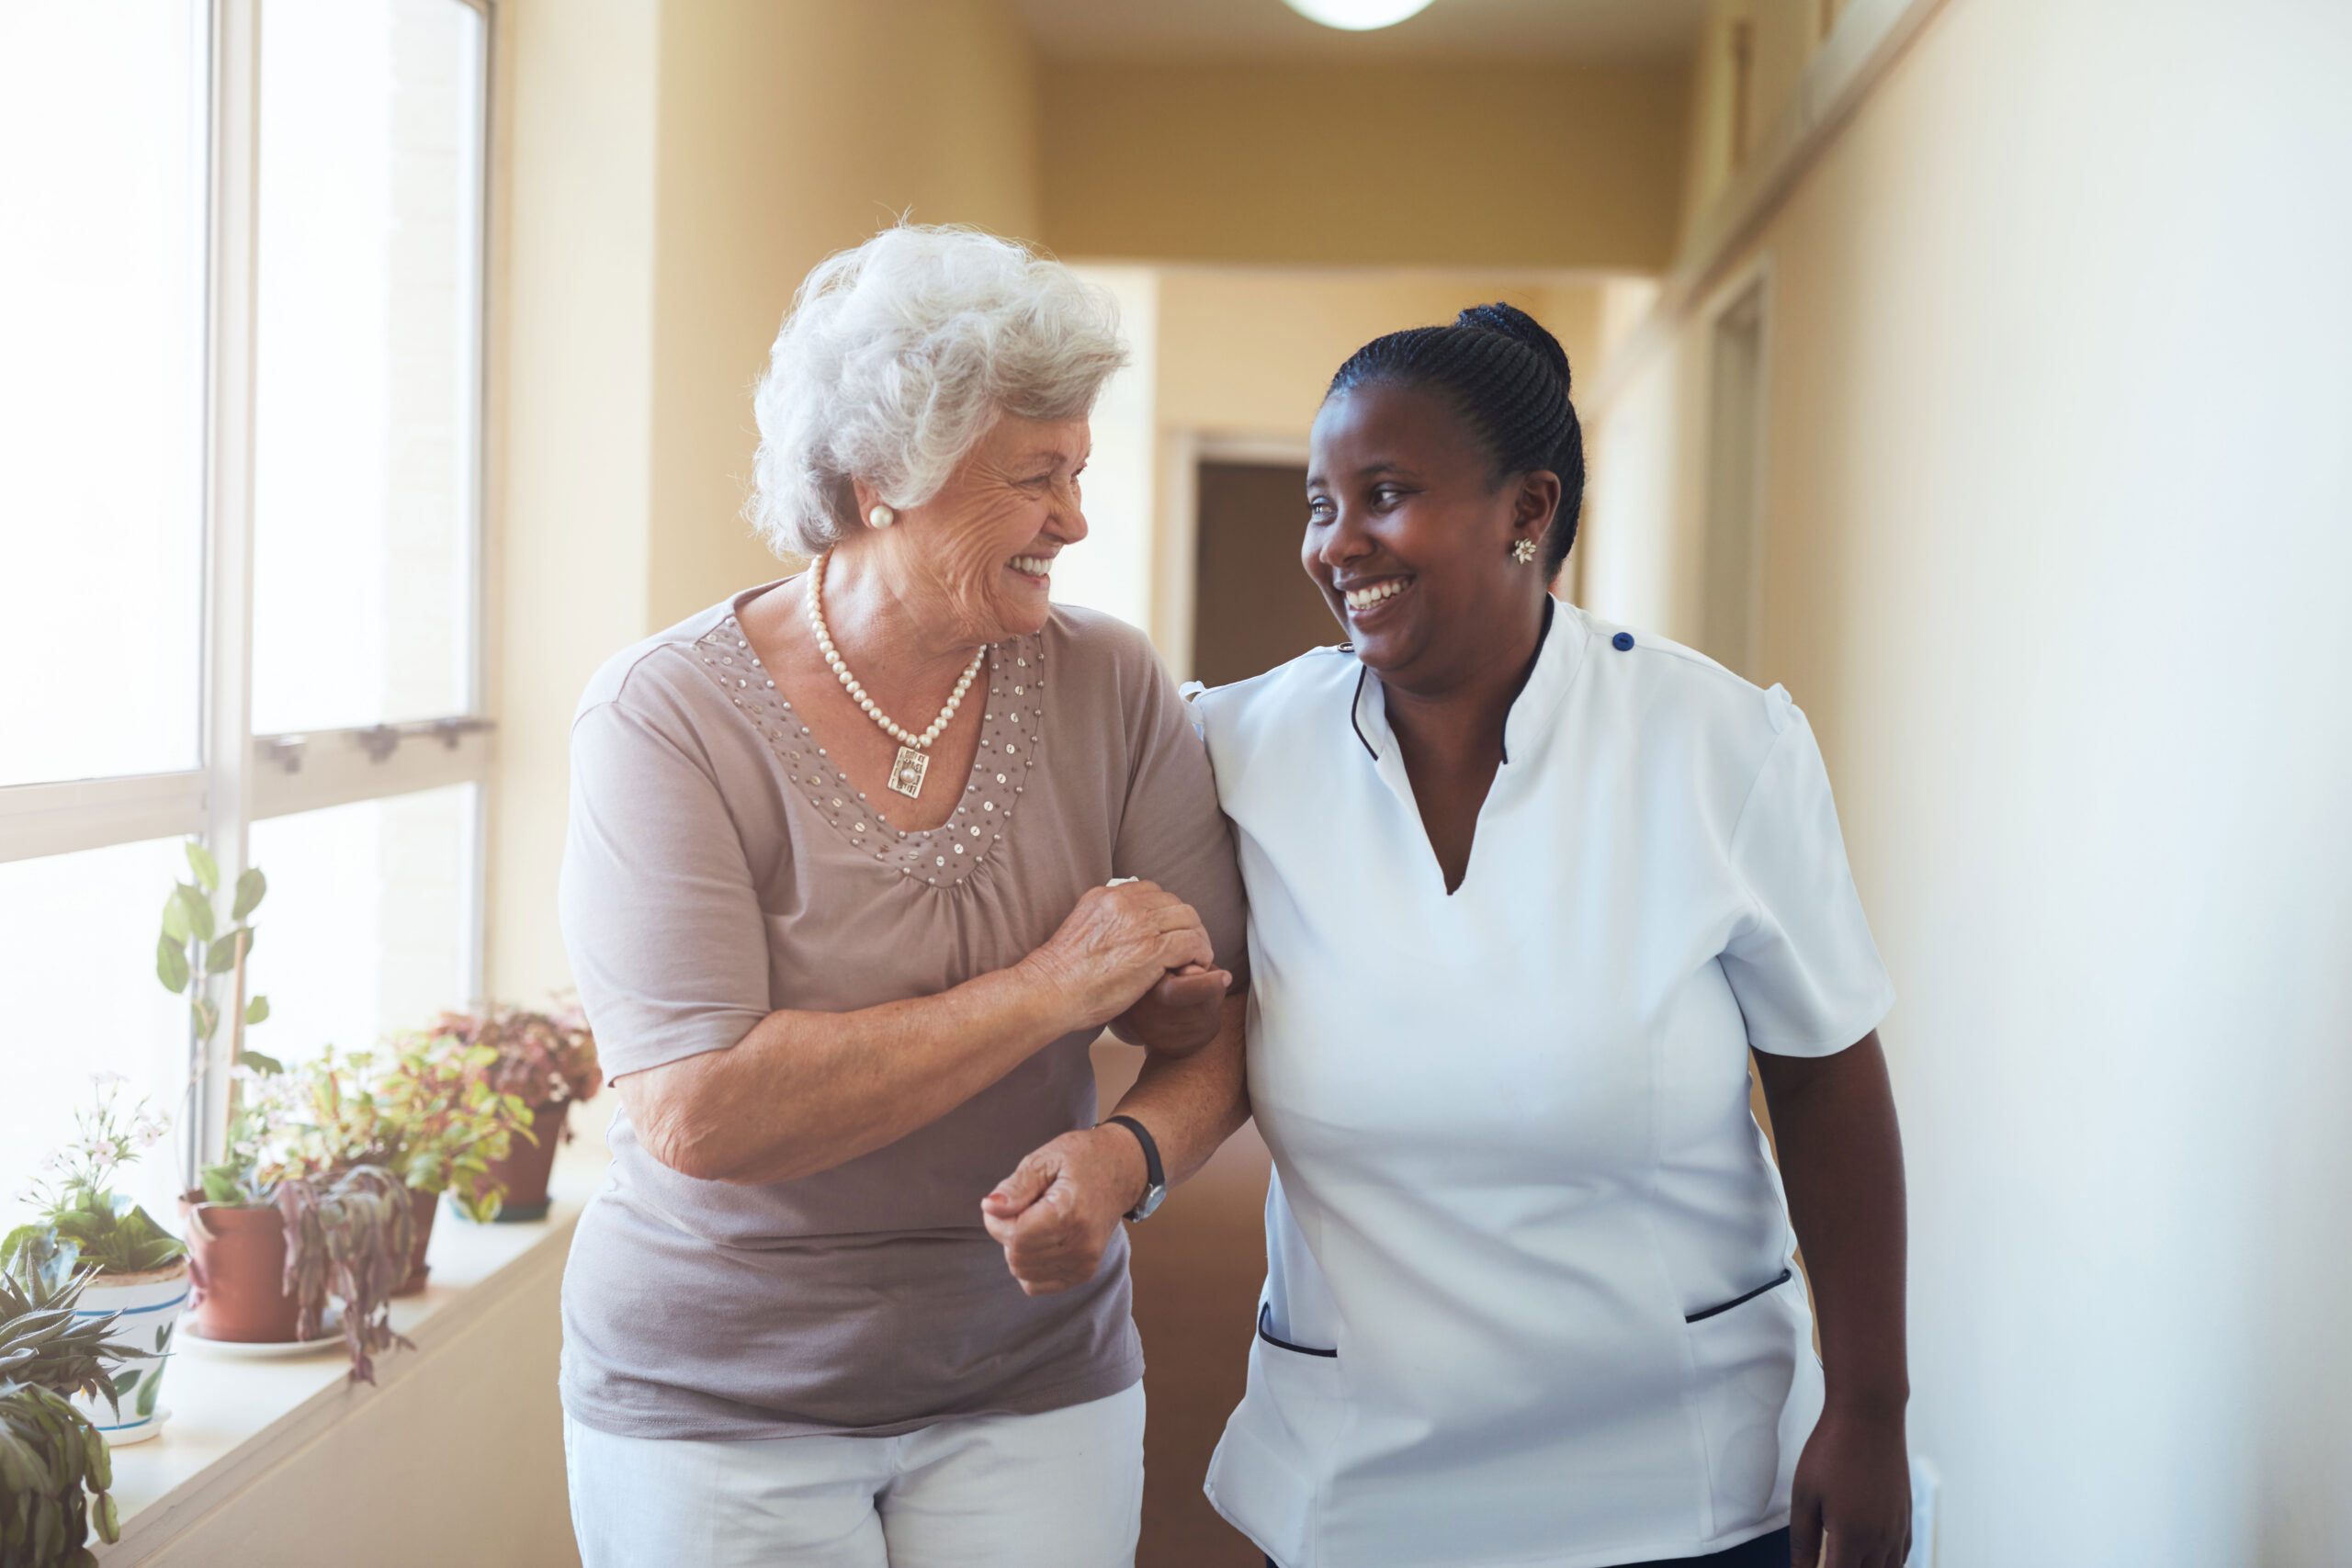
(235, 1420)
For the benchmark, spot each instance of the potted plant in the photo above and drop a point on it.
(547, 1060)
(54, 1470)
(140, 1269)
(422, 1108)
(271, 1246)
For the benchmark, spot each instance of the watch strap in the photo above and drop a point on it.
(1155, 1175)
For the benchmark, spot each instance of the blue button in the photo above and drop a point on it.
(1622, 641)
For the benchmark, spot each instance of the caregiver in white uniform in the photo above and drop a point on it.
(1525, 891)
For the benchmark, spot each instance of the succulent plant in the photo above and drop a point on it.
(54, 1470)
(54, 1473)
(41, 1341)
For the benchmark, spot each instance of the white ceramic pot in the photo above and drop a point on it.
(151, 1304)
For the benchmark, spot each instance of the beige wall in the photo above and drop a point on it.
(1250, 350)
(2055, 555)
(1532, 166)
(791, 129)
(570, 409)
(671, 172)
(1242, 355)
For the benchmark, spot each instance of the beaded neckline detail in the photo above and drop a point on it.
(944, 856)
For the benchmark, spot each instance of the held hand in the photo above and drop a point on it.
(1116, 945)
(1179, 1015)
(1055, 1214)
(1852, 1503)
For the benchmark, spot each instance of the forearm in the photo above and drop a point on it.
(1193, 1103)
(805, 1091)
(1842, 1161)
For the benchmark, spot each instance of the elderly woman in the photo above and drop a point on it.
(838, 893)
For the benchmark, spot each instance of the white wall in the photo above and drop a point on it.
(2058, 487)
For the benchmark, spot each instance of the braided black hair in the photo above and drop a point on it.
(1508, 379)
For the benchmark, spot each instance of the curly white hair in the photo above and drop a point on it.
(896, 357)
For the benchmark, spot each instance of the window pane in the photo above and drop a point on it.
(78, 932)
(102, 261)
(367, 406)
(369, 923)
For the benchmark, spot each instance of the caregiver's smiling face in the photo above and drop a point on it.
(1409, 535)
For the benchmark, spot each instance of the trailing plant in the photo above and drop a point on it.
(544, 1058)
(106, 1227)
(54, 1468)
(421, 1107)
(348, 1234)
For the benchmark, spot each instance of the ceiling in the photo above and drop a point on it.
(1597, 31)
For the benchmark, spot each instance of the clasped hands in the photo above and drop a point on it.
(1140, 962)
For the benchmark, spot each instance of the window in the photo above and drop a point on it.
(239, 501)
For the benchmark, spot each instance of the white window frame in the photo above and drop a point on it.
(244, 777)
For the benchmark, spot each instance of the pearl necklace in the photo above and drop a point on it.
(913, 762)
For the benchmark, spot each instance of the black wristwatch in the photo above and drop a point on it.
(1155, 1177)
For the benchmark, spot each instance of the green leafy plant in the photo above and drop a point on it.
(543, 1059)
(198, 947)
(54, 1472)
(77, 1206)
(421, 1107)
(54, 1468)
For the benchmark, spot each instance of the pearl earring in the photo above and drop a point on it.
(1523, 550)
(881, 517)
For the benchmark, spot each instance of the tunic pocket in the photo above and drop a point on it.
(1266, 1332)
(1757, 1392)
(1721, 1307)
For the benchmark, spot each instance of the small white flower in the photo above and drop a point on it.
(29, 1193)
(107, 1077)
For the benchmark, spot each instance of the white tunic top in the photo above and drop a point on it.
(1516, 1175)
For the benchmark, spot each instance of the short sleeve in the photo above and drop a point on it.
(1801, 963)
(659, 918)
(1171, 830)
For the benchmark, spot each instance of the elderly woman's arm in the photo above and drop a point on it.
(805, 1091)
(1055, 1214)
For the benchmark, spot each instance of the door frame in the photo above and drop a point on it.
(1175, 590)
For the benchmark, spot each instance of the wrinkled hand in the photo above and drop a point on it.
(1055, 1214)
(1118, 943)
(1179, 1014)
(1851, 1503)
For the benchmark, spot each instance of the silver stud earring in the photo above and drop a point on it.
(1523, 550)
(881, 517)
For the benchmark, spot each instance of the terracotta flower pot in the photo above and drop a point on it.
(524, 1173)
(423, 1206)
(237, 1262)
(148, 1306)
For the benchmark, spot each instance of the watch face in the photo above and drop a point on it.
(1151, 1200)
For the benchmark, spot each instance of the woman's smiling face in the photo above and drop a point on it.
(1410, 538)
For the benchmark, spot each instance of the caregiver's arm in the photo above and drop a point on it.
(1841, 1160)
(1055, 1214)
(805, 1091)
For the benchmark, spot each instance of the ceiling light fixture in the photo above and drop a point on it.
(1358, 16)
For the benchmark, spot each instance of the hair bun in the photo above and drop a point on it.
(1510, 321)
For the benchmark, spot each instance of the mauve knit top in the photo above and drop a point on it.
(718, 868)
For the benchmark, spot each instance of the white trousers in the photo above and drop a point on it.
(1060, 1489)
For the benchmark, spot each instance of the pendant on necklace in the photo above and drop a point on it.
(906, 773)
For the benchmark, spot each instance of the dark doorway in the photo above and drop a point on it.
(1253, 607)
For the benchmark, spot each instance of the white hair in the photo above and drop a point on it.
(896, 359)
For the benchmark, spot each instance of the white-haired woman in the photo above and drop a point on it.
(836, 892)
